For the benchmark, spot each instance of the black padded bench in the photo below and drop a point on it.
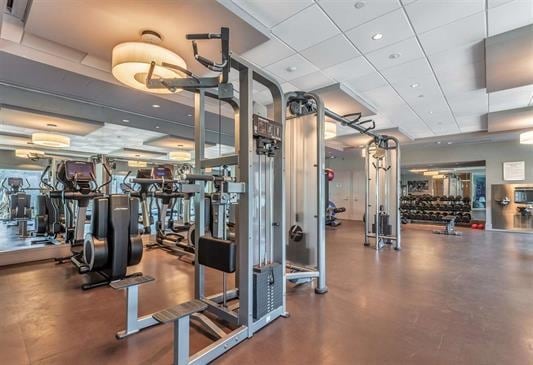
(180, 315)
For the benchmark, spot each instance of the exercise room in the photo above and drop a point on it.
(266, 182)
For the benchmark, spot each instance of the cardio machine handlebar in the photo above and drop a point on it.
(75, 195)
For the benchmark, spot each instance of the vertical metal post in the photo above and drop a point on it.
(199, 149)
(367, 194)
(244, 237)
(376, 183)
(321, 287)
(398, 245)
(181, 341)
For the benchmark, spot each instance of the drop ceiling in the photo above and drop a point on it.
(425, 76)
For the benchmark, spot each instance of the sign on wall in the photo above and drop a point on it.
(514, 171)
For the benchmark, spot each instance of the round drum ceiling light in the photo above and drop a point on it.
(330, 130)
(131, 62)
(179, 155)
(23, 153)
(50, 140)
(526, 138)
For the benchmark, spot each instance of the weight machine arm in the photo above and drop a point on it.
(193, 82)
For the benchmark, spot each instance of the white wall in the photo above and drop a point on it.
(8, 161)
(495, 154)
(348, 188)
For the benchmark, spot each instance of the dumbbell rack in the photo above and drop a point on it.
(432, 209)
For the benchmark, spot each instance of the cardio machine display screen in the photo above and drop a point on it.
(14, 181)
(79, 170)
(161, 172)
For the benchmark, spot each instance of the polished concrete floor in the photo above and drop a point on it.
(441, 300)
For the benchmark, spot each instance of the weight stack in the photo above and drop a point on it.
(268, 289)
(384, 227)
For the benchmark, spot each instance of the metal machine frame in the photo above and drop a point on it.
(382, 198)
(271, 233)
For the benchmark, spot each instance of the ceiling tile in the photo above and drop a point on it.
(472, 123)
(396, 54)
(460, 33)
(429, 14)
(312, 81)
(305, 29)
(368, 82)
(394, 27)
(288, 87)
(509, 16)
(469, 103)
(356, 67)
(410, 71)
(464, 79)
(282, 68)
(330, 52)
(383, 97)
(267, 53)
(271, 13)
(454, 59)
(494, 3)
(511, 99)
(346, 15)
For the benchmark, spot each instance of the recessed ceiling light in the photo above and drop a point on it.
(359, 5)
(450, 142)
(438, 142)
(377, 36)
(156, 127)
(52, 125)
(421, 95)
(430, 112)
(126, 120)
(189, 115)
(156, 105)
(415, 85)
(394, 56)
(291, 68)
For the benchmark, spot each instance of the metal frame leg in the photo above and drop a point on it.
(133, 323)
(181, 341)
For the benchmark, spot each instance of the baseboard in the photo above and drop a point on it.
(33, 254)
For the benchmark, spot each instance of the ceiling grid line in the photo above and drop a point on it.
(378, 71)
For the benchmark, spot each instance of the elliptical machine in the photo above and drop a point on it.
(19, 204)
(112, 245)
(143, 193)
(48, 211)
(167, 190)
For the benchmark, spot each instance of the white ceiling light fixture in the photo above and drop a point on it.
(526, 137)
(330, 130)
(137, 163)
(126, 120)
(430, 173)
(179, 155)
(24, 153)
(418, 170)
(291, 68)
(156, 106)
(377, 36)
(394, 56)
(50, 140)
(359, 5)
(415, 85)
(438, 176)
(131, 62)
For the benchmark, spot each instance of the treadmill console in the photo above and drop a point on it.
(79, 171)
(162, 173)
(14, 182)
(144, 174)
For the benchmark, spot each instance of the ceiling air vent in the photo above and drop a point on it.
(18, 8)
